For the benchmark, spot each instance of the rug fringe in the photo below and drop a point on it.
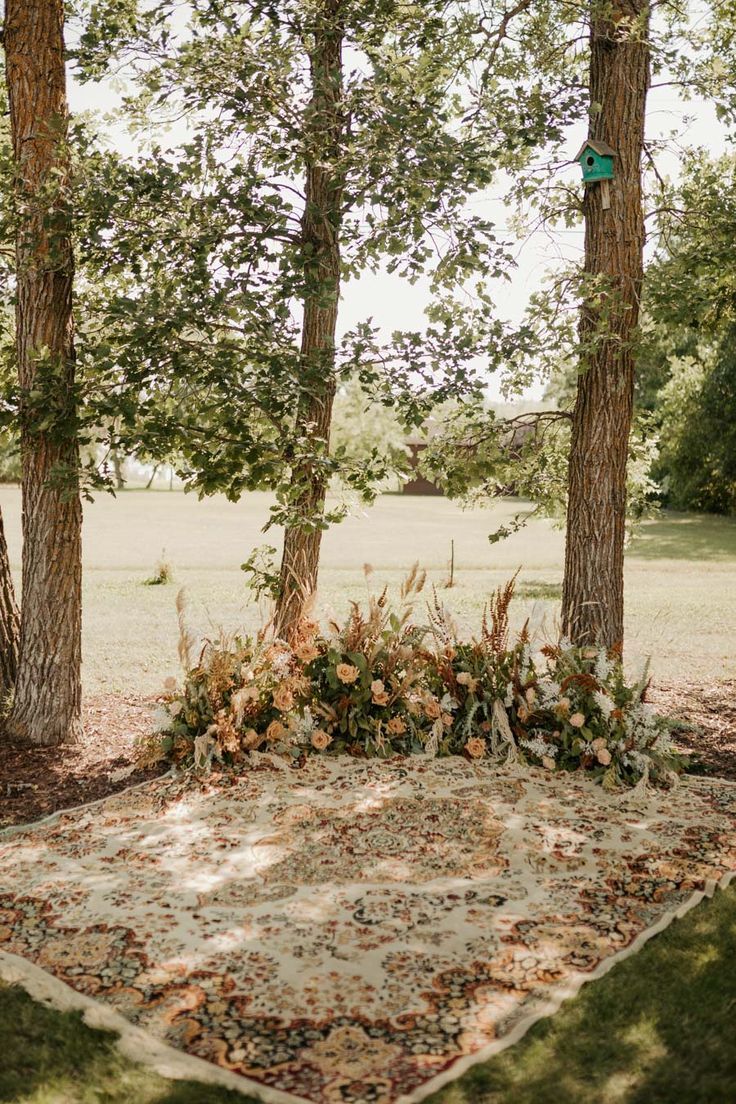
(143, 1048)
(135, 1043)
(565, 993)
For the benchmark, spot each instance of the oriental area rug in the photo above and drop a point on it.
(350, 931)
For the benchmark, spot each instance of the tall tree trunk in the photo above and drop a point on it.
(593, 589)
(47, 702)
(321, 249)
(9, 622)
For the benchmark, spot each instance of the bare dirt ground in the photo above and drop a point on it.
(38, 782)
(708, 734)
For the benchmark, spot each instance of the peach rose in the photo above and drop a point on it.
(447, 719)
(604, 757)
(305, 653)
(321, 739)
(275, 731)
(577, 720)
(548, 762)
(252, 739)
(283, 698)
(432, 709)
(475, 747)
(396, 726)
(466, 679)
(379, 696)
(347, 673)
(244, 695)
(563, 705)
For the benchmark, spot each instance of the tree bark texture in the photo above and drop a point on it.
(47, 703)
(321, 244)
(9, 622)
(593, 588)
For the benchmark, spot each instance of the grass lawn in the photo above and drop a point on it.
(658, 1029)
(680, 576)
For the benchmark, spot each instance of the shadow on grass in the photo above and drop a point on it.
(659, 1029)
(536, 589)
(48, 1057)
(685, 537)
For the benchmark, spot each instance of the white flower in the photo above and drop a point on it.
(448, 703)
(636, 760)
(603, 666)
(539, 747)
(524, 666)
(303, 727)
(604, 703)
(663, 742)
(161, 719)
(280, 663)
(549, 690)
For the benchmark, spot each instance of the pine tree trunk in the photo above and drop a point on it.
(320, 241)
(47, 702)
(9, 622)
(593, 589)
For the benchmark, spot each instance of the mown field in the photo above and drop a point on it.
(680, 576)
(656, 1029)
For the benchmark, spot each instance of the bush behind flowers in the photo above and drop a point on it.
(382, 684)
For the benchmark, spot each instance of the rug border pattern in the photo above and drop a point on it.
(143, 1048)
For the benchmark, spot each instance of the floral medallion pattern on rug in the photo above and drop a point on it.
(350, 932)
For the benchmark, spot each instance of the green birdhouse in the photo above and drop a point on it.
(596, 160)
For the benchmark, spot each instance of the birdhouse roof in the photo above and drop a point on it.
(601, 148)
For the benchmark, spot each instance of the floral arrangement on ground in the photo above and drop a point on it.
(383, 684)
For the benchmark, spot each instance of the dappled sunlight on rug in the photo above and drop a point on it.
(353, 931)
